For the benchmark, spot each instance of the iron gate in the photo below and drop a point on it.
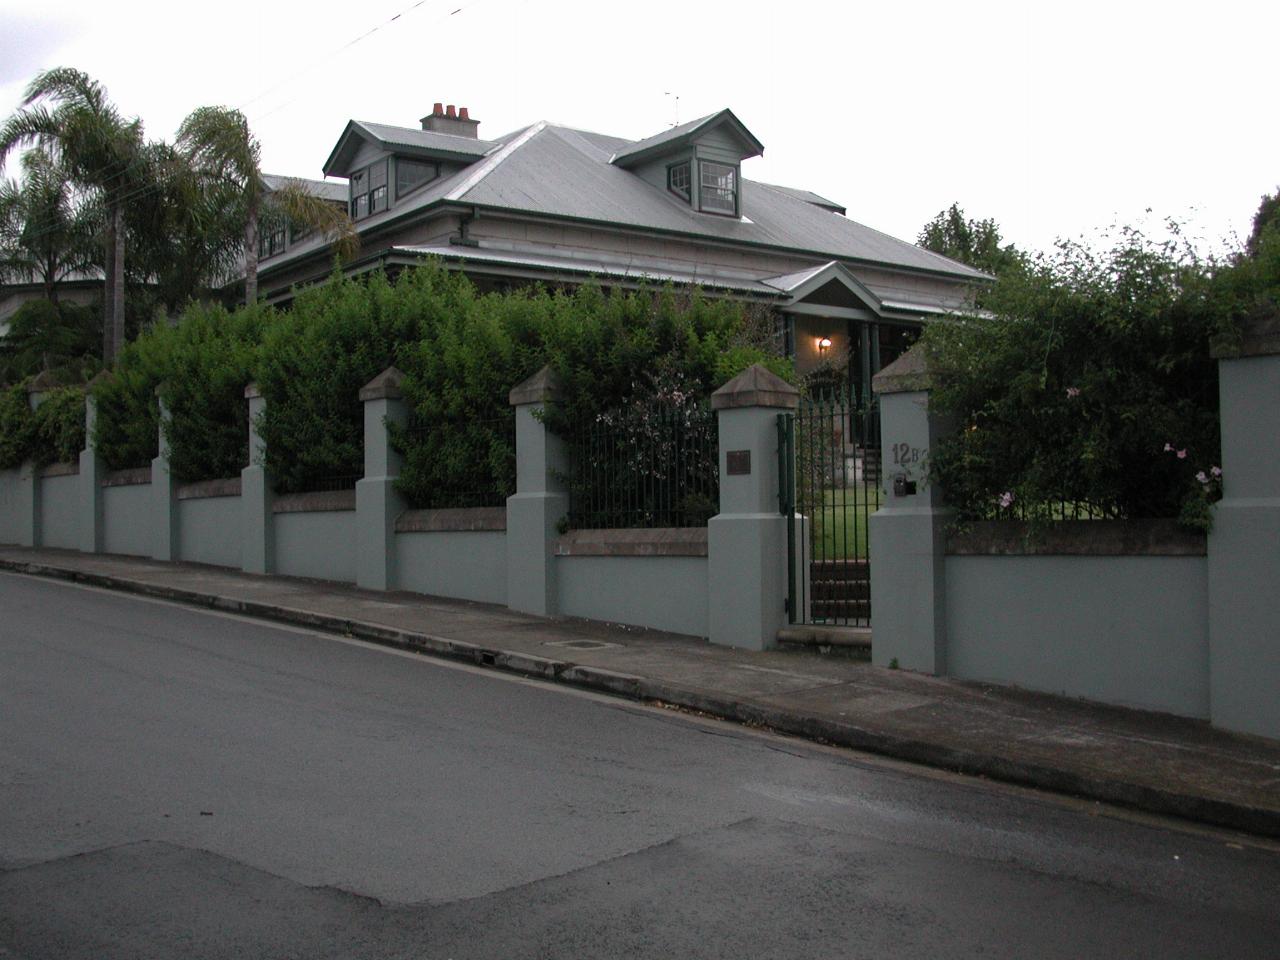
(829, 475)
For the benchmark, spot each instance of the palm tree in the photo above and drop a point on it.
(46, 228)
(220, 145)
(100, 150)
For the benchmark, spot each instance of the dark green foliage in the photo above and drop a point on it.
(16, 426)
(212, 357)
(1091, 381)
(62, 338)
(605, 349)
(58, 426)
(975, 242)
(128, 423)
(1265, 220)
(314, 360)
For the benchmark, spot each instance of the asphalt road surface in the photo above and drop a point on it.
(180, 784)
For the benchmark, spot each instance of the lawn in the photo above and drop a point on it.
(839, 521)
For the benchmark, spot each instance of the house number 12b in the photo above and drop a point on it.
(904, 453)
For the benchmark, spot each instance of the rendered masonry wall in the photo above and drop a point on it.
(1125, 630)
(318, 544)
(663, 593)
(209, 530)
(60, 500)
(127, 516)
(468, 565)
(10, 503)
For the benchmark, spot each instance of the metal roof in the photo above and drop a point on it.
(678, 136)
(324, 189)
(409, 140)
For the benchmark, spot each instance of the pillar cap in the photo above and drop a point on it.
(251, 392)
(756, 386)
(1259, 337)
(908, 374)
(542, 387)
(102, 376)
(42, 381)
(385, 386)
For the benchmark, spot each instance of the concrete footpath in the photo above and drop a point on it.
(1148, 761)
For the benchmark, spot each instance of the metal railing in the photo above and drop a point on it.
(475, 465)
(655, 466)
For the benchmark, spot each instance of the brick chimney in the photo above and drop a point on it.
(451, 119)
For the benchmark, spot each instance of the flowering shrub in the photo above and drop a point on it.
(1090, 381)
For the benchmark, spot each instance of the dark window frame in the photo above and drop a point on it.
(434, 165)
(687, 193)
(367, 189)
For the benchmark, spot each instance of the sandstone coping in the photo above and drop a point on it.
(385, 386)
(135, 476)
(542, 387)
(756, 386)
(316, 501)
(60, 470)
(1077, 538)
(656, 542)
(908, 374)
(453, 520)
(206, 489)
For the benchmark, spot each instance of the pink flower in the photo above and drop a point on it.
(1216, 471)
(1202, 477)
(1006, 500)
(1168, 448)
(1182, 454)
(1073, 392)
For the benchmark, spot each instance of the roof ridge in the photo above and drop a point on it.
(492, 160)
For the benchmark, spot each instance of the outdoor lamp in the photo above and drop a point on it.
(824, 344)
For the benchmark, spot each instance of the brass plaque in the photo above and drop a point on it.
(738, 462)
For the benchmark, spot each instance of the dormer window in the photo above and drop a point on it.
(718, 188)
(369, 190)
(678, 179)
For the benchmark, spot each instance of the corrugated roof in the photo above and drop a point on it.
(808, 196)
(634, 152)
(559, 172)
(325, 189)
(427, 139)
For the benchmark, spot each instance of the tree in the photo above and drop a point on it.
(1266, 217)
(61, 338)
(46, 229)
(223, 150)
(975, 242)
(100, 150)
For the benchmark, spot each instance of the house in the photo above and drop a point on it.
(559, 205)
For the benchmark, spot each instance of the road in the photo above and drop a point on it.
(178, 783)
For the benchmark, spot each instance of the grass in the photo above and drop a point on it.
(839, 524)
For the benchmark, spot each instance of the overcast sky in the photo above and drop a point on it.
(1056, 120)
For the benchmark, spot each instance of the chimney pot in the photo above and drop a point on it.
(450, 112)
(438, 110)
(462, 114)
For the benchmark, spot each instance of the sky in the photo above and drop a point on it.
(1057, 120)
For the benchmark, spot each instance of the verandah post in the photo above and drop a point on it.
(378, 503)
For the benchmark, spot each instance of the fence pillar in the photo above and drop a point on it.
(747, 539)
(89, 520)
(1244, 545)
(377, 501)
(257, 531)
(539, 503)
(30, 509)
(908, 532)
(164, 490)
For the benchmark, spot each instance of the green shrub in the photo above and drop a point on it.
(16, 426)
(58, 426)
(314, 360)
(127, 427)
(1089, 381)
(63, 338)
(212, 358)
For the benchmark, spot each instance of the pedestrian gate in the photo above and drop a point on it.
(829, 485)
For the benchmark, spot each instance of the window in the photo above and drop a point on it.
(678, 179)
(718, 188)
(271, 242)
(369, 190)
(411, 174)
